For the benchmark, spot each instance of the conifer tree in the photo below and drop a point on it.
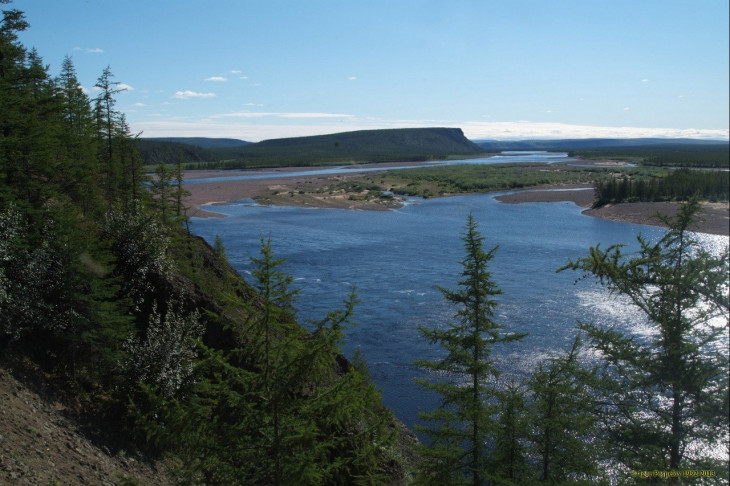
(274, 287)
(108, 128)
(464, 423)
(162, 192)
(666, 394)
(131, 175)
(562, 419)
(324, 426)
(179, 192)
(79, 176)
(218, 248)
(509, 462)
(12, 71)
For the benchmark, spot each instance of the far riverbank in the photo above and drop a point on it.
(308, 190)
(716, 215)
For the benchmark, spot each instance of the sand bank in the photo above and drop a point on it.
(716, 215)
(205, 195)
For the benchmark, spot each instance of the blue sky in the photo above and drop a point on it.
(261, 69)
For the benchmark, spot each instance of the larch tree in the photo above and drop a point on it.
(562, 420)
(78, 144)
(107, 121)
(666, 393)
(465, 423)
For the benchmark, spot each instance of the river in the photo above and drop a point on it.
(395, 259)
(502, 158)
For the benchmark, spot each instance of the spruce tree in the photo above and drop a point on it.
(464, 423)
(665, 393)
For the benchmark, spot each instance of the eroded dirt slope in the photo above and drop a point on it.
(40, 445)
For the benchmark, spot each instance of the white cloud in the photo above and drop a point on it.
(184, 95)
(531, 130)
(216, 78)
(125, 87)
(645, 80)
(258, 114)
(626, 108)
(313, 115)
(235, 71)
(139, 105)
(243, 77)
(90, 50)
(474, 130)
(352, 78)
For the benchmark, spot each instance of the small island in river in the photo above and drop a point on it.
(365, 192)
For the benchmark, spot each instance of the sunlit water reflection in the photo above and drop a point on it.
(396, 259)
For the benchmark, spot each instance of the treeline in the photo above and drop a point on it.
(714, 155)
(614, 407)
(677, 185)
(160, 152)
(144, 327)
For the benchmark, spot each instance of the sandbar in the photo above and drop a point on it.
(204, 195)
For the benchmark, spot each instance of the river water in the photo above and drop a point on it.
(503, 158)
(395, 259)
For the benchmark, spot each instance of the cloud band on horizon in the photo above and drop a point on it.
(215, 126)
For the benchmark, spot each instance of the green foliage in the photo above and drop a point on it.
(407, 144)
(34, 272)
(156, 152)
(161, 189)
(168, 193)
(666, 394)
(464, 421)
(562, 419)
(78, 141)
(218, 247)
(137, 321)
(281, 407)
(714, 155)
(434, 181)
(140, 245)
(677, 185)
(164, 357)
(509, 461)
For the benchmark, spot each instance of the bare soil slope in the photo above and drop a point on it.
(40, 445)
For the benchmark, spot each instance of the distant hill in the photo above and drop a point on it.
(405, 144)
(155, 151)
(576, 144)
(202, 142)
(358, 146)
